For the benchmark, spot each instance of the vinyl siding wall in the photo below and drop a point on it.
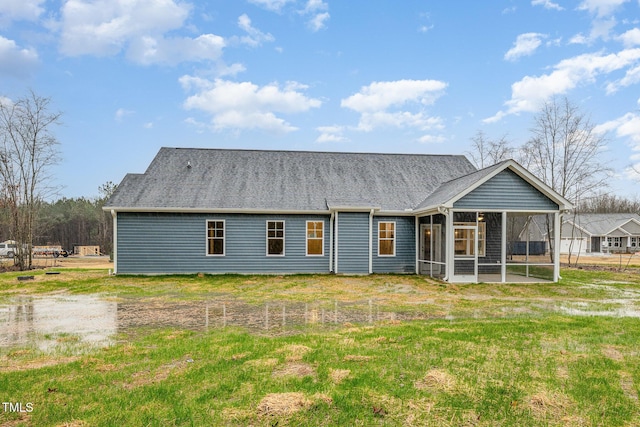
(176, 243)
(506, 191)
(353, 242)
(404, 260)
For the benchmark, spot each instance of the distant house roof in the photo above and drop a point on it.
(255, 180)
(603, 224)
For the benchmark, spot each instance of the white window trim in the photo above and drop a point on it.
(395, 235)
(482, 243)
(284, 233)
(306, 231)
(224, 237)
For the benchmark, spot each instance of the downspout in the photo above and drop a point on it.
(114, 214)
(333, 214)
(371, 241)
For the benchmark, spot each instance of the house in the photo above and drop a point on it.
(253, 211)
(600, 233)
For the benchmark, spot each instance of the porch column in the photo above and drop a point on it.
(449, 247)
(503, 252)
(556, 246)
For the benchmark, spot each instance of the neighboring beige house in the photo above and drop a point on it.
(600, 233)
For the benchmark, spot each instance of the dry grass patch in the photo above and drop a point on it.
(161, 373)
(294, 352)
(279, 404)
(549, 404)
(612, 353)
(339, 375)
(437, 380)
(626, 383)
(293, 369)
(9, 365)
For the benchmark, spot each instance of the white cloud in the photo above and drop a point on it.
(397, 104)
(379, 96)
(630, 38)
(16, 61)
(528, 93)
(601, 8)
(105, 27)
(331, 134)
(318, 22)
(138, 27)
(547, 4)
(272, 5)
(121, 113)
(244, 105)
(20, 10)
(525, 45)
(320, 15)
(254, 36)
(627, 126)
(149, 50)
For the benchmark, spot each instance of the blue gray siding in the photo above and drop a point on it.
(176, 243)
(506, 190)
(353, 242)
(405, 259)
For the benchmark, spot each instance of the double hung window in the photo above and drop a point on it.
(275, 238)
(315, 238)
(215, 238)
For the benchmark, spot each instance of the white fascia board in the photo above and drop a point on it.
(213, 210)
(579, 227)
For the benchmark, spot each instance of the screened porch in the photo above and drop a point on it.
(463, 246)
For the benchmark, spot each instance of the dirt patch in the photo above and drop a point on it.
(357, 358)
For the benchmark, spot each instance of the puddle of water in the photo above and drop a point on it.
(50, 322)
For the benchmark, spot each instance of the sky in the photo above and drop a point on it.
(131, 76)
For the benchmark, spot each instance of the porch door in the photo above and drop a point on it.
(465, 253)
(430, 249)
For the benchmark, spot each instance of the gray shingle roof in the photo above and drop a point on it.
(189, 178)
(602, 224)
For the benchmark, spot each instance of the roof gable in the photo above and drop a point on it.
(480, 189)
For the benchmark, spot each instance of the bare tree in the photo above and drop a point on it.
(28, 149)
(487, 152)
(566, 153)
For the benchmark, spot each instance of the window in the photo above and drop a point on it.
(275, 238)
(634, 242)
(215, 238)
(315, 238)
(386, 238)
(613, 242)
(464, 239)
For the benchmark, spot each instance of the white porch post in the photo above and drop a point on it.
(371, 241)
(449, 246)
(503, 255)
(556, 246)
(114, 214)
(417, 243)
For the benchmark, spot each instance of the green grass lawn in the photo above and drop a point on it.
(480, 355)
